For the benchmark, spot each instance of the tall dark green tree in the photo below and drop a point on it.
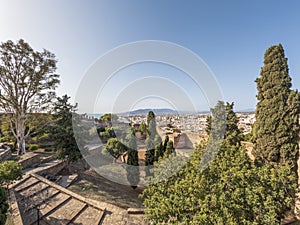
(132, 168)
(166, 142)
(169, 149)
(233, 135)
(150, 142)
(158, 151)
(62, 129)
(216, 128)
(276, 132)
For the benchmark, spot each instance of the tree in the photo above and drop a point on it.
(169, 149)
(216, 129)
(150, 142)
(114, 147)
(7, 135)
(109, 117)
(228, 181)
(62, 129)
(233, 135)
(27, 84)
(275, 132)
(151, 122)
(132, 168)
(159, 151)
(166, 142)
(217, 194)
(142, 128)
(10, 171)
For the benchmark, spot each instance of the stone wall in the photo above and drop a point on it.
(5, 153)
(52, 169)
(33, 160)
(182, 141)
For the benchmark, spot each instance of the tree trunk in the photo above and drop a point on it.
(21, 134)
(21, 146)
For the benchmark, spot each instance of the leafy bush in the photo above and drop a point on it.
(33, 147)
(49, 149)
(3, 206)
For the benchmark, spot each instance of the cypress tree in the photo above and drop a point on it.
(169, 149)
(275, 132)
(158, 148)
(166, 142)
(233, 135)
(275, 137)
(132, 168)
(150, 142)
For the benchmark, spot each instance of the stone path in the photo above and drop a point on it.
(56, 204)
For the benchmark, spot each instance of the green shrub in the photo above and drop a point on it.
(49, 149)
(33, 147)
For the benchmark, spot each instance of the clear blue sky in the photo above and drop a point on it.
(230, 36)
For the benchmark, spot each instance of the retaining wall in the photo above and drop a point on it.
(5, 153)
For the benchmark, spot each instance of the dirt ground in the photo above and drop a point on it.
(91, 185)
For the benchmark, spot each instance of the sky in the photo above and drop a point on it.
(229, 36)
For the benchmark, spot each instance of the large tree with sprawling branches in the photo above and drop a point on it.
(27, 83)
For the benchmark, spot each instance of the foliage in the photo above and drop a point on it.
(107, 133)
(36, 125)
(216, 129)
(132, 168)
(233, 134)
(10, 171)
(230, 190)
(3, 206)
(27, 85)
(109, 117)
(158, 152)
(169, 149)
(276, 133)
(6, 132)
(33, 147)
(114, 147)
(151, 122)
(150, 142)
(247, 137)
(62, 129)
(142, 128)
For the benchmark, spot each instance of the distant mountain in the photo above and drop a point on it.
(163, 111)
(249, 110)
(145, 112)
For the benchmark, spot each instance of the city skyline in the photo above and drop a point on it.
(231, 38)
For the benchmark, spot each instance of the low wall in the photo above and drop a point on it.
(51, 169)
(14, 208)
(5, 153)
(31, 161)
